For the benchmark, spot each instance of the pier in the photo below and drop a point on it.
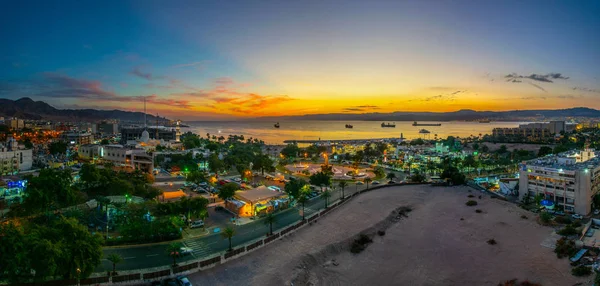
(346, 141)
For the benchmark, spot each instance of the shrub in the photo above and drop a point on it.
(359, 244)
(562, 220)
(381, 232)
(576, 224)
(471, 203)
(470, 196)
(545, 217)
(478, 211)
(567, 230)
(524, 217)
(581, 271)
(564, 247)
(492, 242)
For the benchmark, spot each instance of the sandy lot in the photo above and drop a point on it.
(431, 246)
(513, 146)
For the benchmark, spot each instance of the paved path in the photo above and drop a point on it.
(149, 256)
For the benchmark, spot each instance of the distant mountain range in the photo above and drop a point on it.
(26, 108)
(465, 114)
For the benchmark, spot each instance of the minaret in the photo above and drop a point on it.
(144, 113)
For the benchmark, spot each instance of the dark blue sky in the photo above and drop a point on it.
(209, 59)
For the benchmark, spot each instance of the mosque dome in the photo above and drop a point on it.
(145, 136)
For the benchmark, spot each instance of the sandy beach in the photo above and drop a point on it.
(431, 246)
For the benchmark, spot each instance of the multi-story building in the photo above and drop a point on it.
(105, 128)
(14, 159)
(570, 180)
(77, 138)
(535, 130)
(130, 135)
(119, 155)
(17, 124)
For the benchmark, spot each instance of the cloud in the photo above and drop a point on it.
(441, 97)
(585, 89)
(137, 72)
(533, 97)
(361, 108)
(224, 81)
(249, 103)
(537, 86)
(537, 77)
(193, 64)
(569, 96)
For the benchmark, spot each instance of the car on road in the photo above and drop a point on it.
(360, 183)
(196, 224)
(596, 212)
(274, 188)
(203, 184)
(170, 282)
(559, 213)
(375, 183)
(183, 281)
(185, 251)
(391, 182)
(237, 180)
(576, 216)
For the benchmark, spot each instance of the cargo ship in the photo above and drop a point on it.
(426, 124)
(349, 126)
(392, 125)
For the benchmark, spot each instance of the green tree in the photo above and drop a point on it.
(453, 175)
(173, 250)
(391, 176)
(560, 148)
(196, 177)
(326, 195)
(545, 217)
(343, 185)
(50, 190)
(57, 147)
(290, 151)
(320, 178)
(263, 163)
(544, 150)
(302, 199)
(293, 187)
(367, 181)
(379, 171)
(269, 220)
(228, 233)
(417, 178)
(227, 191)
(485, 149)
(114, 259)
(215, 164)
(104, 142)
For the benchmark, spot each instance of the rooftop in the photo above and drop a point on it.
(258, 194)
(570, 160)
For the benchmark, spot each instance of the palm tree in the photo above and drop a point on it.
(228, 233)
(114, 259)
(326, 195)
(368, 180)
(270, 219)
(302, 199)
(173, 250)
(391, 176)
(343, 185)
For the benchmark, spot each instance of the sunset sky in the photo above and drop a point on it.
(227, 59)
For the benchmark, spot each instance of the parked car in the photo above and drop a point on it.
(185, 251)
(596, 212)
(576, 216)
(391, 182)
(375, 183)
(274, 188)
(170, 282)
(237, 180)
(360, 183)
(183, 281)
(559, 213)
(198, 223)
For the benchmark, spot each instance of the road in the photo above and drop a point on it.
(138, 257)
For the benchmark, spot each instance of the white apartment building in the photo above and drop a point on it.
(13, 159)
(119, 155)
(569, 179)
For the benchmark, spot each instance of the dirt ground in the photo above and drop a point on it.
(431, 246)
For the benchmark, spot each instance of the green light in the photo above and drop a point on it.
(475, 153)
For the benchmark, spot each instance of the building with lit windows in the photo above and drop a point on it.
(76, 138)
(13, 158)
(568, 180)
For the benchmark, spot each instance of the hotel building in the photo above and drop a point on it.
(569, 179)
(14, 159)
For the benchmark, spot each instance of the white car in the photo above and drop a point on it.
(274, 188)
(576, 216)
(198, 223)
(185, 251)
(183, 281)
(375, 183)
(596, 212)
(237, 180)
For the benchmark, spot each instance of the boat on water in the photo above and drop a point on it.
(424, 131)
(276, 125)
(484, 121)
(349, 126)
(392, 125)
(426, 124)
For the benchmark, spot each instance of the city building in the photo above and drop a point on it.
(131, 135)
(76, 138)
(13, 158)
(17, 124)
(90, 152)
(123, 156)
(256, 202)
(569, 180)
(105, 128)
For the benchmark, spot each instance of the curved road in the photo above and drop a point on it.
(148, 256)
